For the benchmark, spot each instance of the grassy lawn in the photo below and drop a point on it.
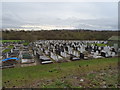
(62, 75)
(11, 46)
(100, 44)
(26, 43)
(8, 49)
(10, 41)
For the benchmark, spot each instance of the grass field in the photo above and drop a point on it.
(78, 74)
(10, 41)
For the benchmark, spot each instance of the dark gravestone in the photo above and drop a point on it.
(66, 48)
(56, 46)
(71, 57)
(81, 56)
(98, 51)
(73, 46)
(43, 50)
(56, 51)
(94, 49)
(102, 48)
(86, 48)
(97, 48)
(62, 49)
(103, 54)
(76, 48)
(59, 51)
(113, 50)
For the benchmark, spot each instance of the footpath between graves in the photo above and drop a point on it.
(78, 74)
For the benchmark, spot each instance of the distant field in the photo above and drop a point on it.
(59, 35)
(62, 75)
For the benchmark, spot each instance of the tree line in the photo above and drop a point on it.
(58, 35)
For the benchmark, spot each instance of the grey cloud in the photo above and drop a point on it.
(80, 15)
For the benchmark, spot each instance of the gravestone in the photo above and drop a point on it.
(113, 54)
(11, 50)
(34, 52)
(7, 55)
(108, 54)
(95, 54)
(71, 57)
(103, 54)
(81, 56)
(116, 47)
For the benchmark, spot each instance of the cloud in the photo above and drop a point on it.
(87, 15)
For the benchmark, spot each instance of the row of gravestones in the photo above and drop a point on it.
(55, 49)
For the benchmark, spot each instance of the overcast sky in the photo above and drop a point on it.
(85, 15)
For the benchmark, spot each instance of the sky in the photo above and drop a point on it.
(60, 15)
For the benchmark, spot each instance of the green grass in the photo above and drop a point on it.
(11, 46)
(26, 75)
(26, 43)
(100, 44)
(8, 49)
(10, 41)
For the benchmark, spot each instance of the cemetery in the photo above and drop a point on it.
(51, 59)
(57, 51)
(62, 45)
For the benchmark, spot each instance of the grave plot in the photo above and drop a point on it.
(25, 48)
(9, 62)
(74, 53)
(14, 53)
(27, 58)
(45, 60)
(96, 55)
(64, 54)
(56, 57)
(41, 56)
(18, 46)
